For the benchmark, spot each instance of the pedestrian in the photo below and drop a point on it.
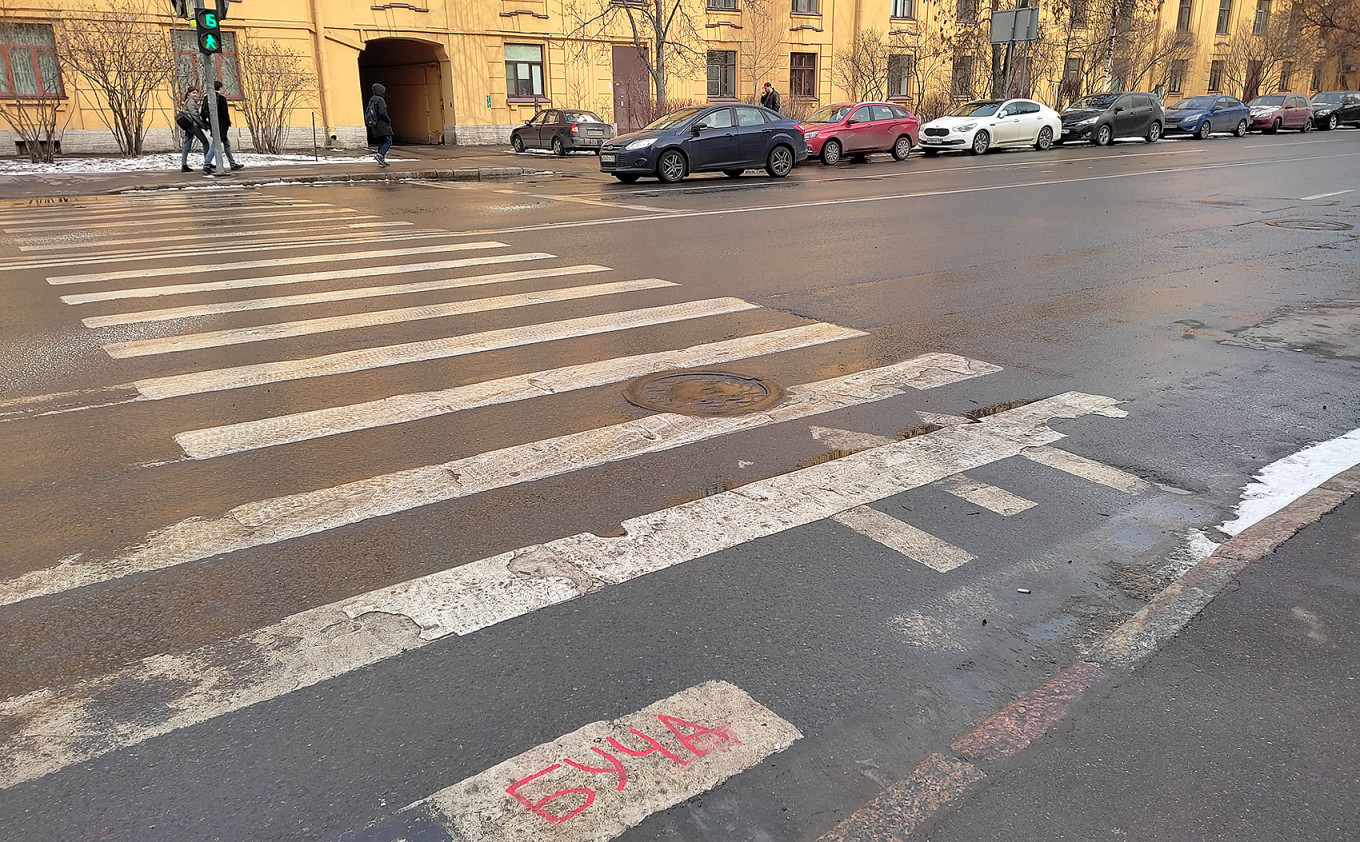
(379, 122)
(223, 123)
(769, 98)
(188, 121)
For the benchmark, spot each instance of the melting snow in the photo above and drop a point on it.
(163, 162)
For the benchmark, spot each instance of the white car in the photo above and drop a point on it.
(992, 123)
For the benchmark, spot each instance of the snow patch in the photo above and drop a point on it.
(166, 162)
(1281, 483)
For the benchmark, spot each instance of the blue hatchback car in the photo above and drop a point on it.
(1201, 116)
(726, 138)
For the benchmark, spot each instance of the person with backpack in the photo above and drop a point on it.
(223, 123)
(188, 122)
(379, 122)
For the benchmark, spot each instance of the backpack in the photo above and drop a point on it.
(371, 113)
(186, 121)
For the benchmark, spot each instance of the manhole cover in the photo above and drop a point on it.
(1310, 224)
(703, 393)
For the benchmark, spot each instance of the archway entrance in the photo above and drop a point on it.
(415, 91)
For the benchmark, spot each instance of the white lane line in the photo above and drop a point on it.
(1286, 480)
(400, 409)
(195, 310)
(296, 515)
(915, 544)
(1276, 144)
(1087, 469)
(364, 359)
(1325, 195)
(59, 726)
(303, 277)
(267, 215)
(603, 778)
(373, 318)
(307, 230)
(269, 263)
(76, 215)
(989, 497)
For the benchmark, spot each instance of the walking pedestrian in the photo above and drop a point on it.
(379, 122)
(188, 121)
(769, 98)
(223, 123)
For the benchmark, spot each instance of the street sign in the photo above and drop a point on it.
(1015, 25)
(209, 32)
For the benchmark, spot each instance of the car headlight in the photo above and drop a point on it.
(1323, 112)
(640, 144)
(809, 134)
(966, 127)
(1088, 121)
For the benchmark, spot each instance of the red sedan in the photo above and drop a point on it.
(858, 128)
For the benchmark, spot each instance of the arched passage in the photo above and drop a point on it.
(412, 73)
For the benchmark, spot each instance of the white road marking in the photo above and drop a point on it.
(373, 318)
(297, 515)
(1087, 469)
(584, 787)
(941, 420)
(1286, 480)
(847, 439)
(243, 235)
(195, 310)
(333, 214)
(364, 359)
(74, 215)
(304, 277)
(1276, 143)
(1325, 195)
(269, 263)
(989, 497)
(399, 409)
(59, 726)
(915, 544)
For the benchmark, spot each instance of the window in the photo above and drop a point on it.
(1286, 75)
(722, 74)
(720, 119)
(803, 75)
(28, 61)
(1119, 73)
(1175, 79)
(1224, 16)
(883, 112)
(965, 9)
(1183, 16)
(806, 7)
(523, 71)
(723, 5)
(1081, 10)
(1262, 21)
(748, 115)
(961, 77)
(1072, 76)
(905, 9)
(190, 72)
(1216, 75)
(1316, 83)
(862, 115)
(900, 66)
(1254, 79)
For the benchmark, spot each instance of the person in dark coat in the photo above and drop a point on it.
(379, 122)
(223, 123)
(769, 98)
(189, 122)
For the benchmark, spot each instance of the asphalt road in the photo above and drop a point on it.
(214, 622)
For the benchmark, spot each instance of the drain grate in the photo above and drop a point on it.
(703, 393)
(1310, 224)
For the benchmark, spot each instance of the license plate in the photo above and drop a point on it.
(608, 159)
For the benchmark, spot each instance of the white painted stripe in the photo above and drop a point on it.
(195, 310)
(301, 278)
(400, 409)
(364, 359)
(57, 727)
(989, 497)
(297, 515)
(915, 544)
(1286, 480)
(190, 215)
(267, 215)
(1325, 195)
(838, 439)
(941, 420)
(708, 733)
(1087, 469)
(270, 262)
(374, 318)
(305, 230)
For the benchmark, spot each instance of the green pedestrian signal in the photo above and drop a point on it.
(209, 33)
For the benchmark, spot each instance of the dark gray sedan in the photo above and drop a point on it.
(725, 138)
(562, 131)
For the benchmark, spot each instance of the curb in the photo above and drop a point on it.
(943, 779)
(457, 174)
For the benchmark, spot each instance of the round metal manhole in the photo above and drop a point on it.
(703, 393)
(1310, 224)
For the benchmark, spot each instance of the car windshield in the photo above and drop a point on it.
(1332, 97)
(675, 118)
(976, 109)
(1194, 103)
(1099, 101)
(581, 117)
(830, 114)
(1268, 100)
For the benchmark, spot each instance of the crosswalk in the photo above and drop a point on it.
(312, 301)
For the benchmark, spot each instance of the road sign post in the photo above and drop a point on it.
(209, 33)
(1008, 27)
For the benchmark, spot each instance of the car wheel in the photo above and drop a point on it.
(1307, 126)
(1045, 139)
(517, 143)
(1331, 122)
(671, 166)
(626, 177)
(1103, 136)
(1204, 130)
(1274, 128)
(902, 148)
(558, 149)
(1241, 130)
(831, 152)
(930, 153)
(981, 143)
(780, 162)
(1154, 132)
(733, 173)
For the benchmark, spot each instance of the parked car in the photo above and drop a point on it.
(1101, 118)
(985, 124)
(1336, 108)
(1201, 116)
(562, 131)
(1273, 112)
(726, 138)
(858, 128)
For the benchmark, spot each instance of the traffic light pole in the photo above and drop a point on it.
(210, 96)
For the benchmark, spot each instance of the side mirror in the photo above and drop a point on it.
(529, 122)
(698, 127)
(851, 122)
(1119, 109)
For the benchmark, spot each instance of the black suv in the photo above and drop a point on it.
(1336, 108)
(1100, 118)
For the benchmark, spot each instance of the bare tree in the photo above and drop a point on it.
(862, 70)
(275, 82)
(1258, 51)
(120, 49)
(926, 59)
(665, 34)
(1331, 16)
(765, 23)
(33, 110)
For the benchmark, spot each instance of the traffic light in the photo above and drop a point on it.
(209, 33)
